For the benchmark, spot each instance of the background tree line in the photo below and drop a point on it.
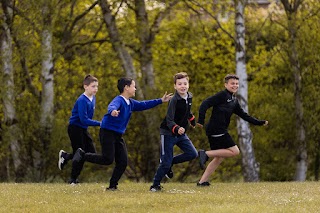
(47, 47)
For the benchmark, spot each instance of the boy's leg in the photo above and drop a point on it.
(79, 139)
(224, 153)
(121, 159)
(107, 140)
(166, 155)
(189, 151)
(212, 166)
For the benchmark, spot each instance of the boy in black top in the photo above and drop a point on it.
(223, 104)
(173, 131)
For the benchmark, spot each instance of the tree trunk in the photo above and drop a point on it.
(12, 132)
(47, 93)
(249, 164)
(302, 156)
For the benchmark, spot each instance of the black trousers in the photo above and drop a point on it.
(113, 148)
(80, 138)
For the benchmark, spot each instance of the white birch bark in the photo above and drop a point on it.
(249, 164)
(47, 93)
(12, 131)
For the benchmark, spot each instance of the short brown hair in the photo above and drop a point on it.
(180, 75)
(89, 79)
(230, 76)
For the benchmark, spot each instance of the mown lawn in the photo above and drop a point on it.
(176, 197)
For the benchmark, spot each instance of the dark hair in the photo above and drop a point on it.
(89, 79)
(230, 76)
(122, 82)
(180, 75)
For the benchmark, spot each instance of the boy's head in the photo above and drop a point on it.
(89, 79)
(90, 84)
(181, 83)
(180, 75)
(231, 83)
(128, 86)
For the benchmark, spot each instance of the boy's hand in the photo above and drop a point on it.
(199, 125)
(166, 97)
(265, 123)
(181, 131)
(115, 113)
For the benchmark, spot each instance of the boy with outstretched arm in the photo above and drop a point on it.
(223, 105)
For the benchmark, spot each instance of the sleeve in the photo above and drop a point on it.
(245, 116)
(115, 104)
(83, 114)
(170, 116)
(205, 105)
(144, 105)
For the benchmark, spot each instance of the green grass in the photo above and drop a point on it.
(176, 197)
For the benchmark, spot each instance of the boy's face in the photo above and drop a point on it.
(91, 89)
(232, 85)
(131, 90)
(182, 86)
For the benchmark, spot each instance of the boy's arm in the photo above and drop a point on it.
(148, 104)
(245, 116)
(205, 105)
(170, 117)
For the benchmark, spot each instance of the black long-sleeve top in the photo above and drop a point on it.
(223, 104)
(178, 115)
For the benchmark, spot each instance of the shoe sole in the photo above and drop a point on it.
(60, 159)
(167, 176)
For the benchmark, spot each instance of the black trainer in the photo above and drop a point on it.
(112, 188)
(73, 181)
(203, 184)
(155, 188)
(202, 158)
(62, 159)
(169, 174)
(79, 155)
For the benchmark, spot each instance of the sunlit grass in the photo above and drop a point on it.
(176, 197)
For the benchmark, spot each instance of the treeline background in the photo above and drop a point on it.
(47, 47)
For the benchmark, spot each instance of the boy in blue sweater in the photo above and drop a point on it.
(80, 120)
(113, 126)
(173, 131)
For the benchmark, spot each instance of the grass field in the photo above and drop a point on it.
(176, 197)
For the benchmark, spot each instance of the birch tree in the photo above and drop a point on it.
(249, 164)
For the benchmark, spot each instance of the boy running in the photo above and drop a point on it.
(173, 131)
(223, 104)
(80, 120)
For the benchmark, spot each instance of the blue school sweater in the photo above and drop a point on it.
(119, 124)
(82, 112)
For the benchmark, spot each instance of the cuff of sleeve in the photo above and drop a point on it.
(175, 129)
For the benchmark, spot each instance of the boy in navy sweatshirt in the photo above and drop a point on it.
(113, 126)
(223, 105)
(80, 120)
(173, 131)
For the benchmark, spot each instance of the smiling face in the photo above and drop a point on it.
(182, 86)
(232, 85)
